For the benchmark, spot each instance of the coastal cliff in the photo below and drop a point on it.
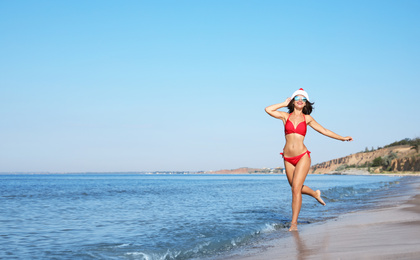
(393, 159)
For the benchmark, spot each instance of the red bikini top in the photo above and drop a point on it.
(289, 128)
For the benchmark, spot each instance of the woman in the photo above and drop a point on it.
(297, 160)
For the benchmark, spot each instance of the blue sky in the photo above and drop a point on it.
(182, 85)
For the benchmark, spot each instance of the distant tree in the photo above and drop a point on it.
(387, 160)
(405, 141)
(415, 147)
(377, 161)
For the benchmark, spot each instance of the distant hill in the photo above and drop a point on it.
(396, 157)
(245, 170)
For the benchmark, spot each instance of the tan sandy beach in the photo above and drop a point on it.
(384, 233)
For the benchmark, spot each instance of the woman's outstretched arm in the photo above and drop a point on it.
(319, 128)
(272, 110)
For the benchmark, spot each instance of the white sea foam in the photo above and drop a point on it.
(269, 228)
(122, 245)
(139, 254)
(167, 255)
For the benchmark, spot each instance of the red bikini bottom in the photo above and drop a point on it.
(294, 160)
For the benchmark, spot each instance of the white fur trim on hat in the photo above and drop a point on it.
(300, 92)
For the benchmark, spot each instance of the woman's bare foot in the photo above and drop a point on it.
(293, 227)
(318, 197)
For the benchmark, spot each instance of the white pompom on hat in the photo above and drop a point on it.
(300, 92)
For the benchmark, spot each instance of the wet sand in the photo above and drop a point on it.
(384, 233)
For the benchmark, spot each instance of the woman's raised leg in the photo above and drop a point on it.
(290, 169)
(316, 194)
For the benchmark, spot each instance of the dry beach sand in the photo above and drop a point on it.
(392, 232)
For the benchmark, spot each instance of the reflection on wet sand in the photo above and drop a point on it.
(303, 251)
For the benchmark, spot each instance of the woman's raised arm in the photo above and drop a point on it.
(319, 128)
(272, 110)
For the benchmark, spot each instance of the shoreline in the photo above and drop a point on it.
(364, 171)
(350, 171)
(387, 232)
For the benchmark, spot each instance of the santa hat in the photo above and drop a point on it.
(300, 92)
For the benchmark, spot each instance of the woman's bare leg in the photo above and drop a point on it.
(299, 176)
(316, 194)
(290, 169)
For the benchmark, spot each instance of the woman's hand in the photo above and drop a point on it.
(348, 138)
(287, 101)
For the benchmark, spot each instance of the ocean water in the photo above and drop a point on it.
(114, 216)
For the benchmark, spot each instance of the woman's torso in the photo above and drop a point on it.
(295, 131)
